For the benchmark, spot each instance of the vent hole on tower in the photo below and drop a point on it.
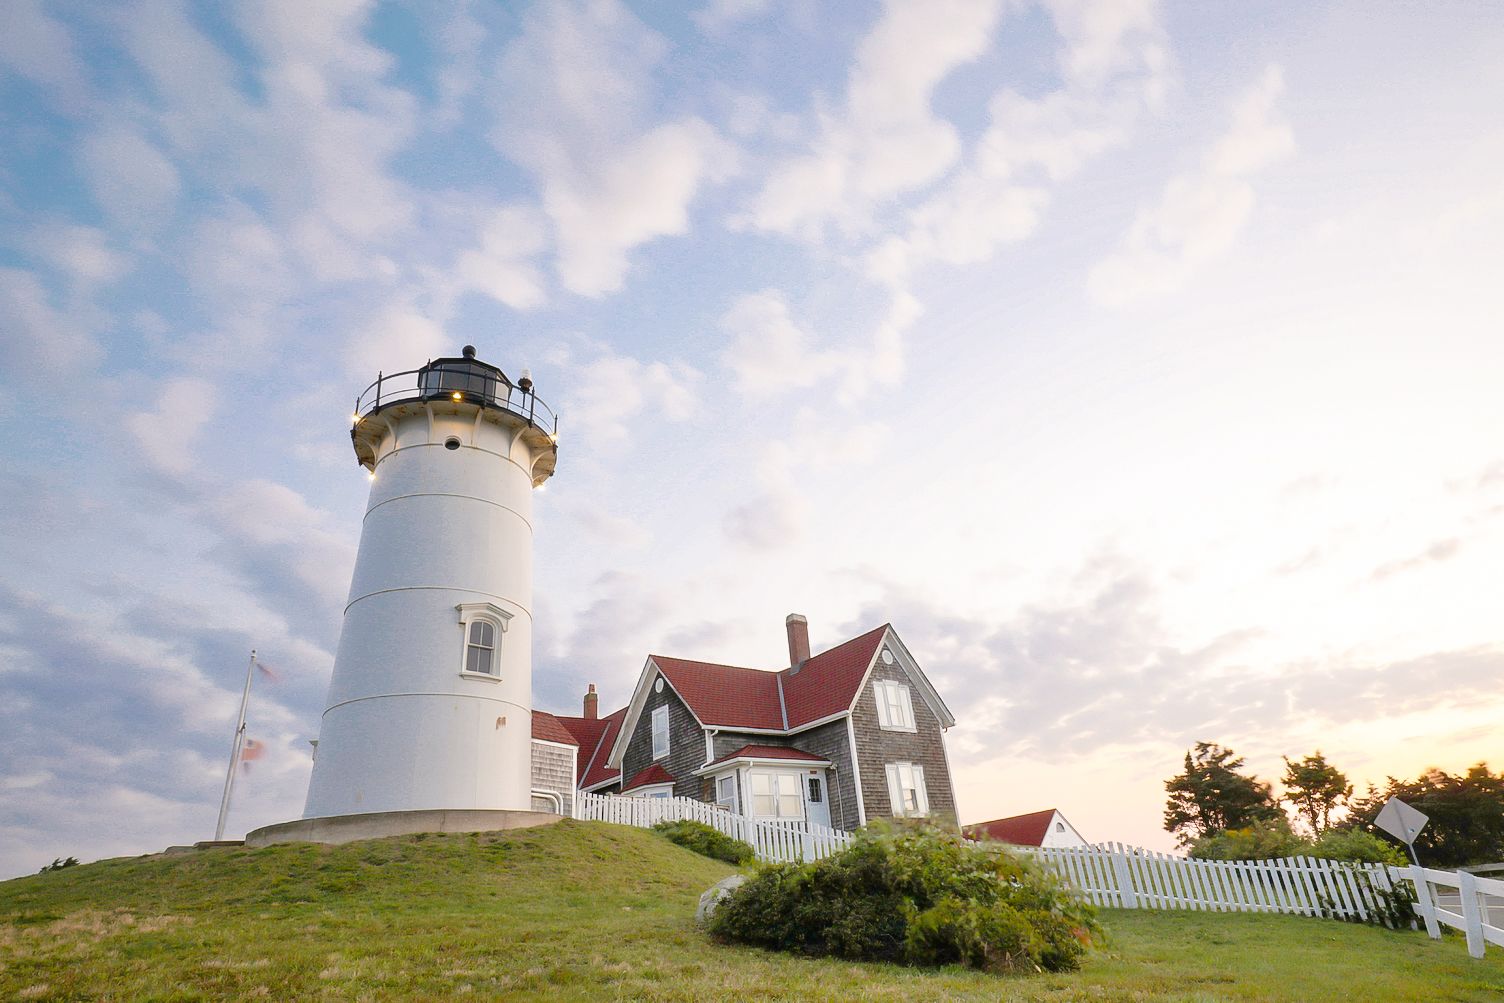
(453, 442)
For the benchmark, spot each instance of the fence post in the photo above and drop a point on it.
(1423, 900)
(1125, 880)
(1472, 917)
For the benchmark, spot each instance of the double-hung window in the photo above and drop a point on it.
(725, 792)
(482, 625)
(660, 732)
(906, 790)
(895, 710)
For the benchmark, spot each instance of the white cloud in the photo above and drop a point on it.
(610, 390)
(1113, 68)
(396, 339)
(39, 48)
(81, 252)
(769, 353)
(1200, 214)
(131, 179)
(503, 267)
(167, 435)
(35, 334)
(886, 140)
(572, 91)
(718, 16)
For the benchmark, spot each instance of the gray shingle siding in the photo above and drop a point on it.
(553, 770)
(876, 748)
(686, 744)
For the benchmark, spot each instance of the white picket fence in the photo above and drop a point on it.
(1461, 900)
(1128, 877)
(771, 841)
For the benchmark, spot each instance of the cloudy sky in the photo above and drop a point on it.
(1140, 363)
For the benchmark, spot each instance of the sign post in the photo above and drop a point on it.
(1403, 823)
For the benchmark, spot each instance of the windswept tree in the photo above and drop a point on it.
(1315, 789)
(1466, 814)
(1212, 796)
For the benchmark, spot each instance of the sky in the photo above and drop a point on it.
(1138, 362)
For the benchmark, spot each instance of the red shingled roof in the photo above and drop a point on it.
(725, 696)
(654, 774)
(769, 752)
(827, 683)
(549, 729)
(729, 696)
(1020, 830)
(595, 736)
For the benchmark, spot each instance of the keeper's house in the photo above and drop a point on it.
(851, 734)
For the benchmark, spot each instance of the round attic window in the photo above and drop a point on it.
(658, 686)
(887, 657)
(453, 442)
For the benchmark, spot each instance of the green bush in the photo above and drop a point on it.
(1356, 845)
(1269, 840)
(1259, 841)
(706, 841)
(915, 895)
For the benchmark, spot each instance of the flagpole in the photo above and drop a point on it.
(235, 747)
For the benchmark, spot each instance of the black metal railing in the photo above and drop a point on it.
(457, 381)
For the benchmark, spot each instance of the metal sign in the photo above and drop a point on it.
(1401, 821)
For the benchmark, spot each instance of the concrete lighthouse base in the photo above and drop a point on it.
(376, 824)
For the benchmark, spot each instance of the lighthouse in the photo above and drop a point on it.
(430, 701)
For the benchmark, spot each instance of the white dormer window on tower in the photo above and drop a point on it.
(895, 711)
(483, 625)
(660, 732)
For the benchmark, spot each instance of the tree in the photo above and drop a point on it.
(1211, 796)
(1315, 789)
(1466, 814)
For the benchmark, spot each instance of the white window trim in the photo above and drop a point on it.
(735, 807)
(776, 792)
(895, 772)
(886, 693)
(496, 617)
(656, 712)
(651, 791)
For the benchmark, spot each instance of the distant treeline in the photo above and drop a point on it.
(1218, 810)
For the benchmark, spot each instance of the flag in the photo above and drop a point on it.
(268, 671)
(251, 750)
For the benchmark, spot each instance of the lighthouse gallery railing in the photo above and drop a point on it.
(440, 381)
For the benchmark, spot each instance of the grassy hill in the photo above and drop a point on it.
(592, 911)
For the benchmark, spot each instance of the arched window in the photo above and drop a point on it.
(480, 651)
(483, 626)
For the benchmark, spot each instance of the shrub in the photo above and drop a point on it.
(1259, 841)
(1356, 845)
(915, 895)
(706, 841)
(1269, 840)
(58, 864)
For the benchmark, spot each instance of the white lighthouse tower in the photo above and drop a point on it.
(430, 703)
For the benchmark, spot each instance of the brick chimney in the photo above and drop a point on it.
(798, 628)
(591, 700)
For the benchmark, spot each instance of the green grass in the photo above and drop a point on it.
(592, 911)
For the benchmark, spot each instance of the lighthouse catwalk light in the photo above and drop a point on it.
(430, 702)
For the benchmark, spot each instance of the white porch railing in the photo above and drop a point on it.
(1460, 900)
(772, 841)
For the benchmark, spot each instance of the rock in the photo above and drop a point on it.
(713, 895)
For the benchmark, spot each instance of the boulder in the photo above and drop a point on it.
(713, 895)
